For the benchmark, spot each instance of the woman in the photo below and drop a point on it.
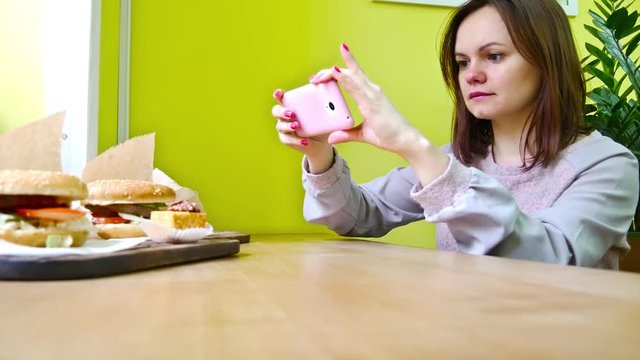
(522, 178)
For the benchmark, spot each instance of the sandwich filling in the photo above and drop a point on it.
(51, 213)
(108, 214)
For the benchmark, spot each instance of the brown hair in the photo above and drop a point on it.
(540, 32)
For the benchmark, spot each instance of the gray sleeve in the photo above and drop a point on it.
(591, 215)
(333, 199)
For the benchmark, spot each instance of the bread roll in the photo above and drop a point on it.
(38, 237)
(41, 182)
(122, 191)
(119, 231)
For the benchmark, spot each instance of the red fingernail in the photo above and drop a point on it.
(304, 142)
(344, 46)
(337, 69)
(294, 125)
(288, 114)
(277, 93)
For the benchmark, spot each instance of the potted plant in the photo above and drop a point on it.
(613, 77)
(613, 108)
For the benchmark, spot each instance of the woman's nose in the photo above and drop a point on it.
(474, 74)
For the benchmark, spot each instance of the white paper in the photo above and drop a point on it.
(90, 247)
(182, 193)
(160, 233)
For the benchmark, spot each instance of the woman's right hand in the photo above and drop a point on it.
(318, 151)
(383, 126)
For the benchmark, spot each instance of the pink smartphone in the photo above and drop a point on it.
(319, 108)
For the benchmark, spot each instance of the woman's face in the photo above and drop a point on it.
(496, 81)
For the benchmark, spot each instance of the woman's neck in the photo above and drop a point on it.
(508, 143)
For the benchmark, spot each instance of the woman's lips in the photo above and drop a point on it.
(478, 95)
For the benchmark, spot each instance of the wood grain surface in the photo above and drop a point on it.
(318, 297)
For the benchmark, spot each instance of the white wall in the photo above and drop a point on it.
(50, 52)
(67, 69)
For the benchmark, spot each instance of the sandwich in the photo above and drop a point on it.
(108, 199)
(35, 208)
(180, 215)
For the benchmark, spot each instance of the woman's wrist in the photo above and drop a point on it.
(427, 160)
(321, 161)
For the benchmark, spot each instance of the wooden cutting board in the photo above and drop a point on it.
(147, 255)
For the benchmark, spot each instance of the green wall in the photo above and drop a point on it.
(202, 74)
(108, 86)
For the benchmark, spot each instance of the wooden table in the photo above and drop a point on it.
(303, 297)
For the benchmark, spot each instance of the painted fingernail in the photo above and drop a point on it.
(277, 93)
(288, 114)
(344, 46)
(294, 125)
(304, 142)
(337, 69)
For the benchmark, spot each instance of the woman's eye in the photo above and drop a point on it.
(495, 56)
(462, 63)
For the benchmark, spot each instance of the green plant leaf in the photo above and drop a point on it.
(625, 23)
(618, 86)
(602, 56)
(593, 31)
(612, 107)
(604, 98)
(627, 92)
(613, 47)
(606, 78)
(591, 62)
(632, 45)
(598, 20)
(589, 108)
(619, 105)
(627, 5)
(617, 19)
(629, 122)
(603, 11)
(610, 4)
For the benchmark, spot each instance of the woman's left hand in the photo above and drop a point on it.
(383, 126)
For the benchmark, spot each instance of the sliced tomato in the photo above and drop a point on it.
(54, 214)
(109, 220)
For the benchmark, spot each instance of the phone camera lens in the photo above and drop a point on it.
(331, 106)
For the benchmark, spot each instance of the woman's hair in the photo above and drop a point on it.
(541, 33)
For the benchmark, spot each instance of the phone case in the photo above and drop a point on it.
(319, 108)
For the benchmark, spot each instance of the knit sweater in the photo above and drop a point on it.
(575, 211)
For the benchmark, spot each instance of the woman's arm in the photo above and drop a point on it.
(333, 199)
(583, 223)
